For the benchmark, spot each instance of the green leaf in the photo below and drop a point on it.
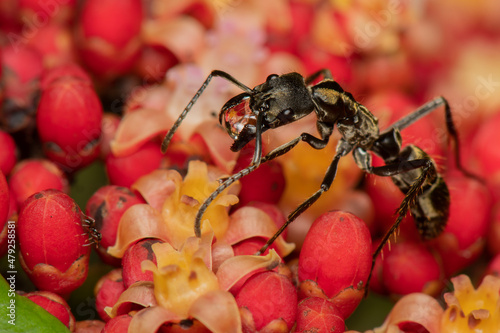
(19, 314)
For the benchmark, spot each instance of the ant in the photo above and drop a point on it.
(94, 236)
(283, 99)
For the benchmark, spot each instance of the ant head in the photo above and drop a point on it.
(280, 100)
(283, 99)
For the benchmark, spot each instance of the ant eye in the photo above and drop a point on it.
(235, 116)
(272, 77)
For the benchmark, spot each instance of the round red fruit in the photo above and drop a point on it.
(132, 259)
(125, 170)
(34, 175)
(52, 242)
(107, 291)
(118, 324)
(267, 301)
(106, 206)
(335, 260)
(409, 267)
(110, 43)
(8, 148)
(55, 305)
(464, 237)
(316, 314)
(69, 121)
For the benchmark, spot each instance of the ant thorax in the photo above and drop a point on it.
(360, 129)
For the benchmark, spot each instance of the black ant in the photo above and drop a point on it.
(283, 99)
(94, 236)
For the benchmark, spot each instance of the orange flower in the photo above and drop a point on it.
(186, 287)
(173, 204)
(472, 310)
(180, 208)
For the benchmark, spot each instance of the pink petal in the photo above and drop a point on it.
(414, 309)
(151, 319)
(218, 311)
(248, 222)
(140, 293)
(138, 127)
(138, 222)
(235, 268)
(156, 186)
(218, 143)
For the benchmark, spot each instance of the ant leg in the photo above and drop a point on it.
(343, 149)
(215, 73)
(325, 72)
(450, 126)
(281, 150)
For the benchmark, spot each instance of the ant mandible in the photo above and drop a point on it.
(286, 98)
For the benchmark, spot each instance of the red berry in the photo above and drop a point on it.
(69, 121)
(387, 198)
(34, 175)
(249, 246)
(268, 301)
(409, 267)
(125, 170)
(8, 148)
(55, 305)
(118, 324)
(22, 68)
(106, 206)
(464, 237)
(154, 62)
(110, 43)
(132, 259)
(107, 291)
(52, 242)
(315, 314)
(335, 260)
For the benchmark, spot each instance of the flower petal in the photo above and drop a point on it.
(218, 311)
(235, 268)
(156, 186)
(140, 293)
(414, 309)
(129, 137)
(218, 143)
(138, 222)
(248, 222)
(151, 319)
